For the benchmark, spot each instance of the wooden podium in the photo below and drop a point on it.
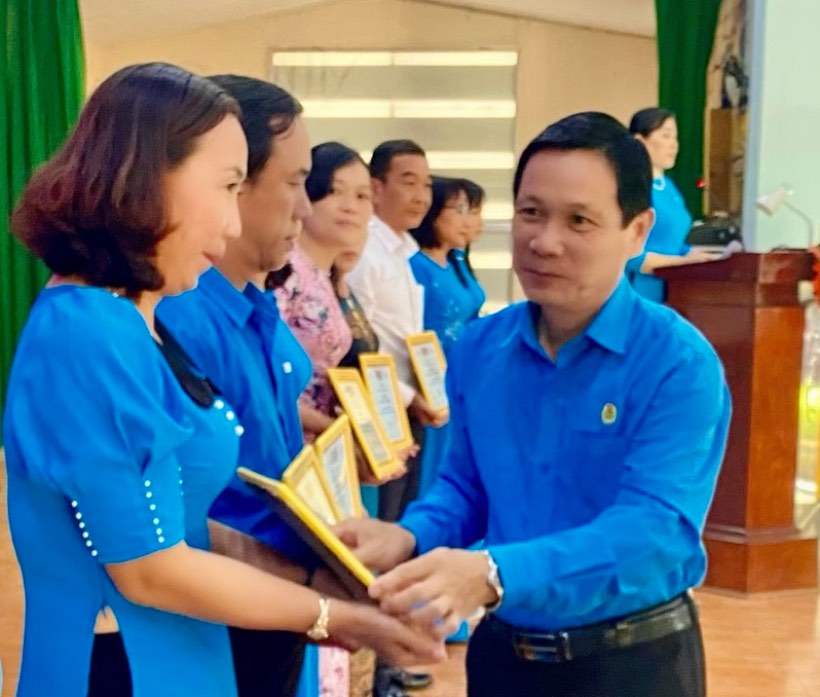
(747, 307)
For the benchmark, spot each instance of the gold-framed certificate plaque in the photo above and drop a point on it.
(306, 478)
(356, 402)
(337, 457)
(381, 380)
(314, 531)
(430, 368)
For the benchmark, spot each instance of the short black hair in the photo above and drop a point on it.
(96, 208)
(384, 153)
(645, 121)
(444, 189)
(475, 192)
(267, 111)
(592, 130)
(327, 158)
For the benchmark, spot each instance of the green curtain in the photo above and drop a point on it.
(686, 32)
(42, 72)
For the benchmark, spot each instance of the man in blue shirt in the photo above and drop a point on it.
(230, 326)
(589, 425)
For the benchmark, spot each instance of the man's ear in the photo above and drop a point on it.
(639, 229)
(376, 187)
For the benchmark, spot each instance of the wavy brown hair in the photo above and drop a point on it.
(96, 209)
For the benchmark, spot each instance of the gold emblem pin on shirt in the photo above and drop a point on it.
(609, 413)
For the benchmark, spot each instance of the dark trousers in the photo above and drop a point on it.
(110, 674)
(267, 664)
(395, 496)
(671, 666)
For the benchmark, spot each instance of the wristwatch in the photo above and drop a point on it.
(493, 581)
(318, 632)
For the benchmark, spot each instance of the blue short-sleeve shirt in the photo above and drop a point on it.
(108, 460)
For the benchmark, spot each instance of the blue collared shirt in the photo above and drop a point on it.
(589, 476)
(667, 236)
(242, 345)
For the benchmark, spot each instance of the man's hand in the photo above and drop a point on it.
(378, 545)
(436, 591)
(425, 414)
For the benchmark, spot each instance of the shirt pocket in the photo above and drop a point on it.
(593, 449)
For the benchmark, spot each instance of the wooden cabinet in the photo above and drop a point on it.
(727, 142)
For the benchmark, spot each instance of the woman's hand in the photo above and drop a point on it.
(358, 624)
(366, 475)
(698, 256)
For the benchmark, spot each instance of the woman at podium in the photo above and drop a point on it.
(657, 129)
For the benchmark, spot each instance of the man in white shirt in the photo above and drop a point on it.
(387, 290)
(384, 284)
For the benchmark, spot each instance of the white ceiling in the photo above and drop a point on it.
(112, 21)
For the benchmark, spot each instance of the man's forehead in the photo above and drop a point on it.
(291, 153)
(409, 164)
(579, 167)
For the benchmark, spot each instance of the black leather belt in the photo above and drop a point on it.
(554, 647)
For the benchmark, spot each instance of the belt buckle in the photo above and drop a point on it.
(622, 635)
(546, 648)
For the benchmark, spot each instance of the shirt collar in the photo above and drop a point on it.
(263, 302)
(609, 328)
(233, 302)
(392, 241)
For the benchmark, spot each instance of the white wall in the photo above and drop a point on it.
(783, 142)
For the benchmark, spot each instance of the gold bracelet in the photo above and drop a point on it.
(318, 632)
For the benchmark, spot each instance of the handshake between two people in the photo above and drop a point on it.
(430, 595)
